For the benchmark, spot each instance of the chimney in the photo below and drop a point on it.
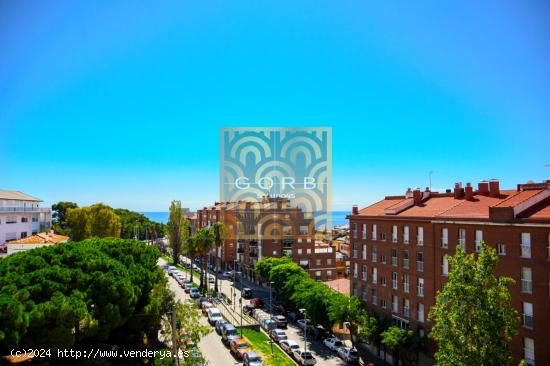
(483, 188)
(417, 196)
(458, 191)
(494, 188)
(469, 192)
(355, 210)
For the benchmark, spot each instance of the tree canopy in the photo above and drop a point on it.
(98, 220)
(59, 295)
(473, 318)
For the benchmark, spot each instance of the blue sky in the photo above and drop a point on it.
(121, 102)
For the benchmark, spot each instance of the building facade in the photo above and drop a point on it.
(21, 216)
(268, 228)
(400, 249)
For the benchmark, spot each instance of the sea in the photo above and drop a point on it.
(338, 217)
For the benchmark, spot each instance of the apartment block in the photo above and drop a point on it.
(21, 216)
(401, 246)
(268, 228)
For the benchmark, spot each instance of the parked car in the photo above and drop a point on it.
(257, 302)
(321, 333)
(268, 325)
(194, 293)
(188, 288)
(239, 347)
(220, 324)
(205, 305)
(214, 315)
(289, 346)
(229, 333)
(333, 343)
(280, 320)
(248, 309)
(246, 293)
(348, 354)
(303, 323)
(227, 274)
(304, 358)
(278, 335)
(252, 359)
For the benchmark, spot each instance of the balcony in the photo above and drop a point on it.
(526, 286)
(253, 254)
(420, 266)
(20, 209)
(287, 243)
(240, 250)
(528, 321)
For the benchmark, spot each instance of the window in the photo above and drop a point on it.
(420, 287)
(394, 280)
(420, 236)
(364, 232)
(11, 236)
(394, 233)
(421, 313)
(354, 250)
(383, 259)
(394, 257)
(528, 315)
(444, 237)
(354, 270)
(420, 262)
(303, 230)
(445, 266)
(383, 236)
(526, 280)
(479, 239)
(526, 245)
(286, 230)
(23, 234)
(364, 252)
(355, 230)
(374, 299)
(405, 235)
(34, 219)
(405, 259)
(501, 249)
(317, 275)
(364, 294)
(329, 261)
(11, 220)
(373, 234)
(24, 219)
(374, 275)
(383, 281)
(317, 262)
(529, 350)
(406, 286)
(274, 252)
(462, 238)
(374, 254)
(383, 303)
(308, 250)
(354, 289)
(299, 251)
(406, 308)
(364, 273)
(394, 304)
(329, 275)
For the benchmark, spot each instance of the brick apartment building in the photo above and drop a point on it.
(400, 246)
(268, 228)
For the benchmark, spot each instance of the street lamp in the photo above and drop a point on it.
(270, 301)
(304, 312)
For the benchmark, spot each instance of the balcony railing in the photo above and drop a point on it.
(526, 286)
(420, 266)
(19, 209)
(528, 321)
(394, 261)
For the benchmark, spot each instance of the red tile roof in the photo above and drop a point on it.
(42, 238)
(445, 206)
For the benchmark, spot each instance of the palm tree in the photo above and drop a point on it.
(191, 249)
(220, 233)
(204, 240)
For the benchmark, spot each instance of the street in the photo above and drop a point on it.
(323, 355)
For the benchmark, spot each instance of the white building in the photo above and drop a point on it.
(21, 216)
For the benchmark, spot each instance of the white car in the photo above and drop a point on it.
(303, 323)
(333, 343)
(348, 354)
(289, 346)
(278, 335)
(304, 358)
(214, 315)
